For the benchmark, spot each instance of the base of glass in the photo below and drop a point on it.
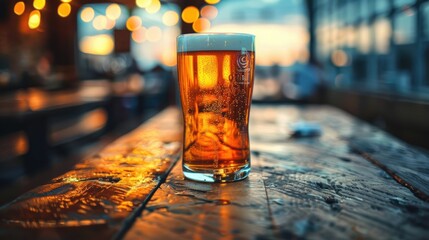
(216, 175)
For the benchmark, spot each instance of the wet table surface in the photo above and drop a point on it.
(353, 181)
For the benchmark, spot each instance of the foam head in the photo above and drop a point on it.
(215, 42)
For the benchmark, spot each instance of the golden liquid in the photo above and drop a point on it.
(216, 95)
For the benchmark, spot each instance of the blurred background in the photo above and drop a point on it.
(77, 74)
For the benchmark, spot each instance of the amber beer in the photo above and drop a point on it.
(216, 82)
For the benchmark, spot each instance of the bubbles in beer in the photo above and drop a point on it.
(216, 94)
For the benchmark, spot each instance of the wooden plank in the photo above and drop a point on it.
(314, 188)
(183, 209)
(93, 200)
(344, 134)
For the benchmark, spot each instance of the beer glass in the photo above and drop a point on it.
(215, 73)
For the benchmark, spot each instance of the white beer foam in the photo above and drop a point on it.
(215, 41)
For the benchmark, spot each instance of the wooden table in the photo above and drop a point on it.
(352, 182)
(30, 110)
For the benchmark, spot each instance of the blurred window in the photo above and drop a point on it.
(405, 27)
(425, 13)
(400, 3)
(382, 6)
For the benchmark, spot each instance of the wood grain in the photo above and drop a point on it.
(315, 188)
(95, 199)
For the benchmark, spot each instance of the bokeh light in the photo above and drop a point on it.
(113, 11)
(153, 34)
(133, 23)
(190, 14)
(64, 9)
(34, 19)
(87, 14)
(19, 8)
(154, 7)
(143, 3)
(139, 35)
(98, 45)
(110, 23)
(209, 12)
(201, 24)
(339, 58)
(212, 1)
(170, 18)
(99, 22)
(39, 4)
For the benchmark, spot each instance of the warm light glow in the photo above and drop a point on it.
(34, 19)
(139, 35)
(154, 34)
(202, 24)
(110, 24)
(19, 8)
(143, 3)
(87, 14)
(212, 1)
(39, 4)
(113, 11)
(285, 49)
(207, 75)
(153, 7)
(98, 45)
(133, 23)
(190, 14)
(64, 9)
(170, 18)
(168, 58)
(339, 58)
(66, 1)
(99, 22)
(209, 12)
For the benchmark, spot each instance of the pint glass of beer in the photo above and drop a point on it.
(215, 73)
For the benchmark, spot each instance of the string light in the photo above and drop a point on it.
(170, 18)
(143, 3)
(190, 14)
(34, 19)
(212, 1)
(87, 14)
(201, 25)
(113, 11)
(133, 23)
(209, 12)
(64, 9)
(153, 7)
(39, 4)
(19, 8)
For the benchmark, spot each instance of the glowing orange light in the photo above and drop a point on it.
(154, 34)
(99, 22)
(133, 23)
(154, 7)
(170, 18)
(143, 3)
(66, 1)
(19, 8)
(169, 58)
(339, 58)
(110, 24)
(190, 14)
(209, 12)
(113, 11)
(87, 14)
(98, 45)
(39, 4)
(139, 35)
(64, 9)
(212, 1)
(34, 19)
(202, 24)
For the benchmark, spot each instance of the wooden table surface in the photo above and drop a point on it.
(353, 181)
